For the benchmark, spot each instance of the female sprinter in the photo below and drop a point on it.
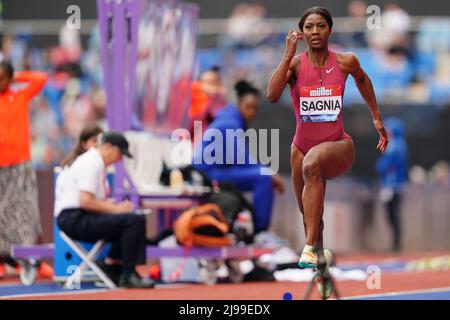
(321, 149)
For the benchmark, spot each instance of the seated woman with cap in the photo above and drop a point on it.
(85, 213)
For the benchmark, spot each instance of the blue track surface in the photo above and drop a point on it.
(384, 266)
(10, 290)
(441, 295)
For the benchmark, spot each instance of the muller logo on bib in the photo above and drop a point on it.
(320, 104)
(322, 91)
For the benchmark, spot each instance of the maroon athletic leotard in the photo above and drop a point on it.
(317, 99)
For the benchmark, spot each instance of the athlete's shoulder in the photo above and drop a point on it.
(348, 61)
(346, 57)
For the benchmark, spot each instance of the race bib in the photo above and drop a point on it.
(320, 104)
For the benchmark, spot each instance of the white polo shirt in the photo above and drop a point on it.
(87, 173)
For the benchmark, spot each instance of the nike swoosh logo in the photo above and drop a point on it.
(328, 71)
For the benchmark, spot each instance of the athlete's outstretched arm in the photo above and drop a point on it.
(285, 70)
(365, 88)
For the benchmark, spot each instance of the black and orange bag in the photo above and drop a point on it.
(204, 226)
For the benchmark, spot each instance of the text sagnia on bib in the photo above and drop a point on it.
(320, 103)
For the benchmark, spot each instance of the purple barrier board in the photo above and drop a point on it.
(46, 251)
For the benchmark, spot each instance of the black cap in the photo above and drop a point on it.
(117, 139)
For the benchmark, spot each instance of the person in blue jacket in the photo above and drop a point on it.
(392, 168)
(232, 162)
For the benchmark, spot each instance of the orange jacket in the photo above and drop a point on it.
(199, 101)
(14, 119)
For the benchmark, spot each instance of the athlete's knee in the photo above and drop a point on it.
(311, 170)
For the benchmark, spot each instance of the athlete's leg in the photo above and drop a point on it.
(324, 161)
(298, 184)
(319, 242)
(297, 177)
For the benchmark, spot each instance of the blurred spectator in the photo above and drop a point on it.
(394, 32)
(246, 26)
(70, 42)
(45, 135)
(91, 62)
(207, 98)
(440, 173)
(19, 215)
(440, 85)
(88, 138)
(14, 50)
(397, 70)
(77, 107)
(418, 92)
(417, 175)
(433, 35)
(392, 168)
(357, 11)
(54, 91)
(98, 98)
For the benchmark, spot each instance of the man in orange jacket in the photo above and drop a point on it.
(19, 214)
